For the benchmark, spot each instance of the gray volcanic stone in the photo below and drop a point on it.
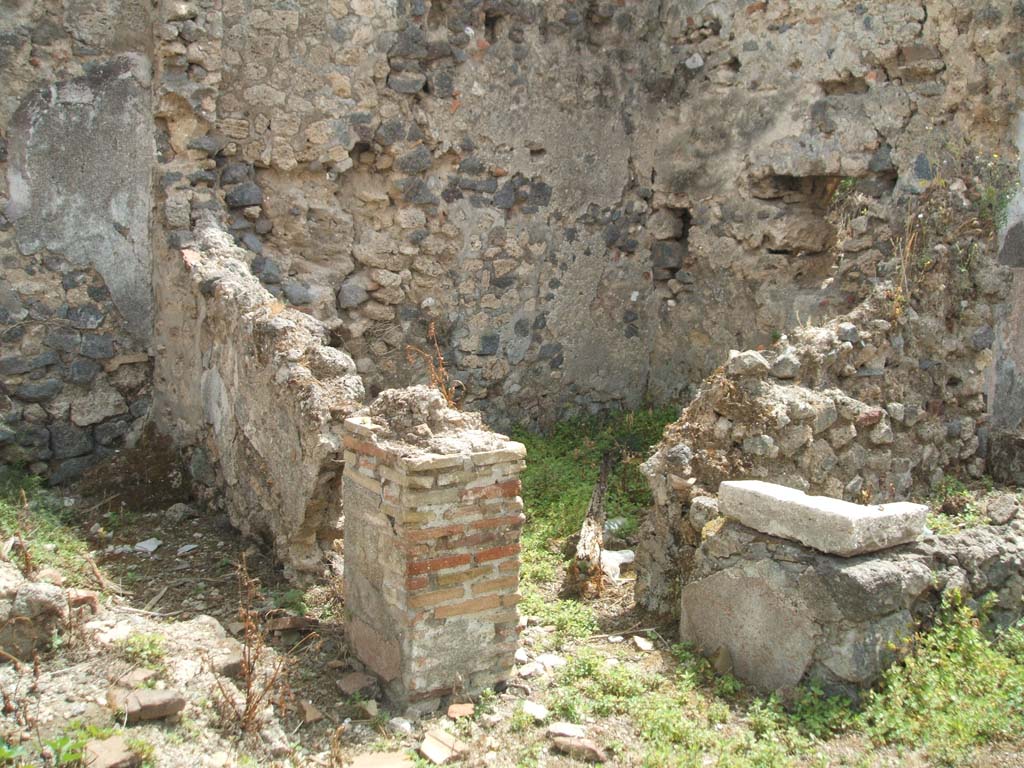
(786, 366)
(297, 292)
(765, 628)
(828, 525)
(244, 195)
(406, 82)
(415, 161)
(69, 441)
(747, 363)
(10, 366)
(351, 295)
(38, 391)
(98, 347)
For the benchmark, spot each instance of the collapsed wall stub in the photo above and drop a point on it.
(263, 397)
(870, 407)
(777, 613)
(432, 521)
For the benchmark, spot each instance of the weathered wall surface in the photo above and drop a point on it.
(1008, 372)
(76, 158)
(262, 397)
(591, 204)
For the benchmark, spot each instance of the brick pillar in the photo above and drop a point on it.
(432, 553)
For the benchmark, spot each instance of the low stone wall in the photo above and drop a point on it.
(258, 394)
(777, 613)
(432, 522)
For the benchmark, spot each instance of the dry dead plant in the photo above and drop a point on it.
(264, 672)
(905, 246)
(452, 389)
(27, 566)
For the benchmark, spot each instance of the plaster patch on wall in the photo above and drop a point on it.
(80, 179)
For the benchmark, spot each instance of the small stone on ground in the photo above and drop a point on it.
(441, 748)
(310, 714)
(570, 730)
(551, 660)
(149, 546)
(456, 711)
(537, 711)
(581, 749)
(109, 753)
(357, 682)
(643, 643)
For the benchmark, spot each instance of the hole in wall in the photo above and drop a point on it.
(491, 26)
(813, 191)
(845, 86)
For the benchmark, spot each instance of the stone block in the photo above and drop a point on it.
(776, 614)
(828, 525)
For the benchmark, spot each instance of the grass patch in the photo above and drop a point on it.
(572, 620)
(562, 468)
(680, 720)
(46, 527)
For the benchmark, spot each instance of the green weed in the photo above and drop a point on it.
(955, 692)
(146, 649)
(521, 720)
(572, 620)
(294, 601)
(66, 750)
(953, 508)
(11, 754)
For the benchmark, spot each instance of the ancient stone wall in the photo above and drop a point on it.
(76, 156)
(432, 521)
(259, 394)
(591, 204)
